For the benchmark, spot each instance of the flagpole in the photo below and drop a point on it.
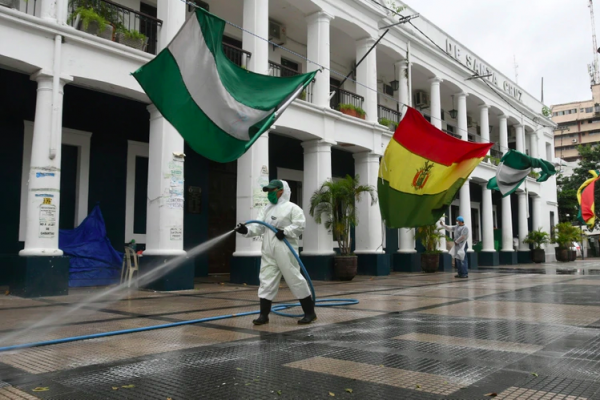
(278, 111)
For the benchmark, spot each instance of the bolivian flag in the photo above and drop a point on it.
(422, 170)
(585, 196)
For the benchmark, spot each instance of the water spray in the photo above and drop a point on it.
(277, 309)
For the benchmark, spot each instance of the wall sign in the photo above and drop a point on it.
(475, 65)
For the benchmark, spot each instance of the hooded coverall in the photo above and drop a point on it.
(277, 260)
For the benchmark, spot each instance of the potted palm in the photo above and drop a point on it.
(430, 239)
(564, 236)
(334, 205)
(537, 239)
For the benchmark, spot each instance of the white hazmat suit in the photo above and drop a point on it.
(277, 260)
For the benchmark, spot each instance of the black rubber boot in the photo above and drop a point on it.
(308, 306)
(265, 309)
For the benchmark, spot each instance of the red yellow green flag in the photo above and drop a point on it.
(421, 172)
(585, 197)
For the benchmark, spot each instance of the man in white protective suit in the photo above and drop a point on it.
(459, 250)
(277, 259)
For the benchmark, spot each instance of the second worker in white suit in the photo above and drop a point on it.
(277, 260)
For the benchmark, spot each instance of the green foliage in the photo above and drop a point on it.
(107, 11)
(430, 238)
(394, 6)
(534, 175)
(537, 238)
(88, 15)
(546, 112)
(334, 205)
(302, 95)
(388, 122)
(568, 186)
(493, 160)
(565, 234)
(345, 107)
(133, 34)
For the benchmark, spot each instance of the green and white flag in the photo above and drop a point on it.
(219, 108)
(514, 168)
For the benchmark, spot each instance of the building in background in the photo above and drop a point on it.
(578, 123)
(70, 107)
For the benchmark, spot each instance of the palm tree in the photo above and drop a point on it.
(335, 205)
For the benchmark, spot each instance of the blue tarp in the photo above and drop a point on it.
(94, 262)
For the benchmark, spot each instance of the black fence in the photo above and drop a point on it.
(388, 113)
(122, 19)
(237, 55)
(342, 96)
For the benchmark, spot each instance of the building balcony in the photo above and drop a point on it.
(237, 55)
(384, 113)
(344, 97)
(281, 70)
(115, 22)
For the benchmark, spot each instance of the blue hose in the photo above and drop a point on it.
(276, 309)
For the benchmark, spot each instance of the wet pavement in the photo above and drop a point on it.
(525, 332)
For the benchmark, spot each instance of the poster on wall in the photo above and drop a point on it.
(47, 219)
(175, 195)
(177, 232)
(259, 198)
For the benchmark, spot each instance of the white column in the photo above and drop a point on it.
(164, 215)
(49, 9)
(436, 106)
(402, 67)
(366, 74)
(503, 121)
(507, 236)
(406, 237)
(317, 169)
(487, 213)
(256, 20)
(369, 234)
(252, 175)
(520, 138)
(465, 194)
(537, 212)
(318, 51)
(173, 14)
(253, 166)
(522, 220)
(43, 190)
(534, 146)
(436, 120)
(484, 123)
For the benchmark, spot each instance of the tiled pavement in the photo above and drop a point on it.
(505, 334)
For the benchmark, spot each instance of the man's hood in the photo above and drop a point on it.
(287, 193)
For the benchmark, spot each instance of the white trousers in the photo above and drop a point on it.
(280, 262)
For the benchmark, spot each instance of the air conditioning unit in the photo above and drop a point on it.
(277, 32)
(574, 140)
(421, 99)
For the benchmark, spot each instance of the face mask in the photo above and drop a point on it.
(272, 196)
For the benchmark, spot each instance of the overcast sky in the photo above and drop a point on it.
(550, 39)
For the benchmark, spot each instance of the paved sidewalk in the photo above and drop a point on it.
(412, 336)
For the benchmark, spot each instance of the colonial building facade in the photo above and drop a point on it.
(78, 130)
